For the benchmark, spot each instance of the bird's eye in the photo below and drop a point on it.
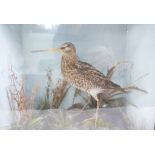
(62, 47)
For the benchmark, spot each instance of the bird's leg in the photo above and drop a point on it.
(113, 68)
(97, 108)
(96, 114)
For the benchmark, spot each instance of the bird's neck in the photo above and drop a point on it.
(69, 59)
(68, 63)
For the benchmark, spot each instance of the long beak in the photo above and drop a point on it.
(46, 50)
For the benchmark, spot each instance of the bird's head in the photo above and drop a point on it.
(66, 48)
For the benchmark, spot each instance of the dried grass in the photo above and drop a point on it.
(45, 102)
(22, 104)
(19, 102)
(125, 90)
(49, 82)
(53, 95)
(59, 93)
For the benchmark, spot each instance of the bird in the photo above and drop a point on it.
(83, 75)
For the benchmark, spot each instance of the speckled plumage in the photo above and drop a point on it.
(83, 75)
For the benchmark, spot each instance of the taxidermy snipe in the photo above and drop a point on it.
(82, 75)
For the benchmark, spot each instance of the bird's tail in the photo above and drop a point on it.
(117, 87)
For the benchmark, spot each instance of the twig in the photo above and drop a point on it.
(113, 68)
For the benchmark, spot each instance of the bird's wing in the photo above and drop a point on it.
(91, 73)
(89, 69)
